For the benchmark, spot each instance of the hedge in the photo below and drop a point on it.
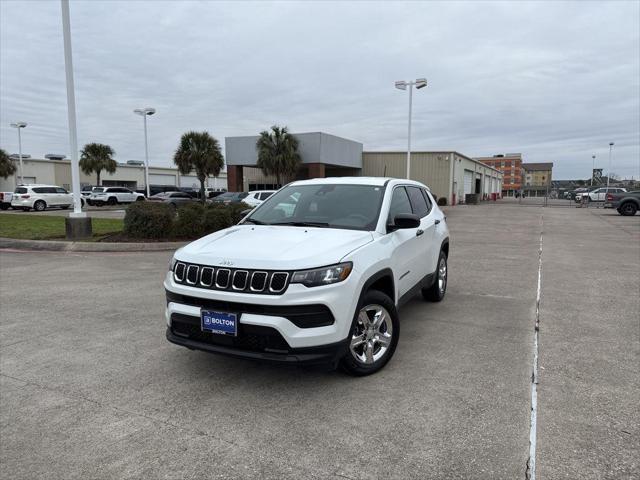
(148, 220)
(192, 220)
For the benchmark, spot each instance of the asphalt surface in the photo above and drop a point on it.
(90, 388)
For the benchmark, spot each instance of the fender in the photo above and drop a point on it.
(384, 273)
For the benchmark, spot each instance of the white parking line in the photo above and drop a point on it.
(531, 464)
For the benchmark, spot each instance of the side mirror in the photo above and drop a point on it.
(404, 220)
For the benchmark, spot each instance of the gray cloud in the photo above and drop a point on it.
(555, 81)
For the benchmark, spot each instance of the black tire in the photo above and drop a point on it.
(437, 291)
(372, 299)
(25, 209)
(628, 209)
(112, 201)
(4, 207)
(140, 199)
(40, 206)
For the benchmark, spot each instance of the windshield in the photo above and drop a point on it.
(328, 205)
(20, 190)
(160, 195)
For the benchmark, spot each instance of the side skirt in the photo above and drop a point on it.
(426, 282)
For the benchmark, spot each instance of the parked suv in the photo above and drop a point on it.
(41, 197)
(599, 194)
(256, 197)
(315, 274)
(113, 196)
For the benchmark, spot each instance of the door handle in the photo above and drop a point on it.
(419, 232)
(436, 222)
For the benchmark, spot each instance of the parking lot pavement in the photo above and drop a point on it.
(91, 389)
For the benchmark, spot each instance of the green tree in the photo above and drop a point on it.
(96, 157)
(7, 167)
(278, 152)
(201, 152)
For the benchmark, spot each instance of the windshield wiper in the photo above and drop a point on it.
(255, 222)
(303, 224)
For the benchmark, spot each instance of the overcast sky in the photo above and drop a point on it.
(555, 81)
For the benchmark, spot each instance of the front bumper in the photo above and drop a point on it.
(301, 325)
(323, 355)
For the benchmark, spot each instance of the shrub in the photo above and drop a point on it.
(442, 201)
(189, 222)
(148, 220)
(236, 209)
(216, 218)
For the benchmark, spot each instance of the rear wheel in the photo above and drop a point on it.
(39, 206)
(628, 209)
(112, 201)
(436, 292)
(374, 335)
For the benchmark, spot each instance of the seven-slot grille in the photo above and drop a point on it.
(231, 279)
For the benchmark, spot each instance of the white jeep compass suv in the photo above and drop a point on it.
(315, 274)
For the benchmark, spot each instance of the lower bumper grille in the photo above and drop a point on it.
(252, 338)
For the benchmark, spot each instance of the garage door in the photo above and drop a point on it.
(468, 182)
(161, 179)
(189, 181)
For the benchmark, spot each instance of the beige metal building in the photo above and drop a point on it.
(447, 174)
(58, 172)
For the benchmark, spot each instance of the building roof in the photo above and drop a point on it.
(537, 166)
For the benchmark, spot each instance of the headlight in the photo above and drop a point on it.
(323, 276)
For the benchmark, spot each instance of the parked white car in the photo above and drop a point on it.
(313, 275)
(113, 196)
(256, 197)
(41, 197)
(5, 200)
(599, 194)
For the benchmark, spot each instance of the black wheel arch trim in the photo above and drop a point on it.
(384, 273)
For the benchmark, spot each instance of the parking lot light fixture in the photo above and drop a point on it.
(145, 112)
(18, 126)
(402, 85)
(593, 167)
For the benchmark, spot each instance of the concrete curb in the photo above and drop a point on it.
(62, 246)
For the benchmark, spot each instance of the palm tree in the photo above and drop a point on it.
(7, 167)
(278, 152)
(201, 152)
(96, 157)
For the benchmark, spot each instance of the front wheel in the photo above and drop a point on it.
(437, 291)
(628, 209)
(374, 335)
(112, 201)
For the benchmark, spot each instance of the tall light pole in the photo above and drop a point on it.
(145, 112)
(402, 85)
(593, 167)
(71, 110)
(611, 144)
(19, 126)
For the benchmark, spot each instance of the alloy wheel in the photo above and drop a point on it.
(442, 275)
(372, 334)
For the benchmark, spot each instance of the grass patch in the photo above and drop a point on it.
(45, 227)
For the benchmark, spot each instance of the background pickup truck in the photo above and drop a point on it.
(5, 200)
(627, 203)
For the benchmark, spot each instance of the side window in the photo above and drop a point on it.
(399, 203)
(427, 199)
(418, 203)
(40, 190)
(61, 190)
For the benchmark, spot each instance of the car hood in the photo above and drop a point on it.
(274, 247)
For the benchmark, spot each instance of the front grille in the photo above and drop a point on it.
(302, 316)
(253, 338)
(231, 279)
